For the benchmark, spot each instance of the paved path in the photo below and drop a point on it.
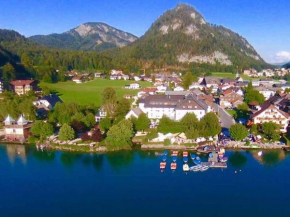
(226, 119)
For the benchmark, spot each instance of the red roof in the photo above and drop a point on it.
(21, 82)
(150, 89)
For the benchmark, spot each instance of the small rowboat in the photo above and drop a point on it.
(164, 158)
(185, 154)
(173, 166)
(204, 168)
(185, 159)
(192, 156)
(174, 158)
(174, 153)
(185, 167)
(162, 165)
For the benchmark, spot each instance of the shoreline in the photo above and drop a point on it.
(103, 149)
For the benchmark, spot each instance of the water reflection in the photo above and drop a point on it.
(15, 151)
(269, 158)
(117, 160)
(237, 160)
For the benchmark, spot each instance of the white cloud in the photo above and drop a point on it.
(281, 57)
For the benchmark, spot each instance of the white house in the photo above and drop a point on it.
(47, 101)
(78, 79)
(135, 112)
(270, 112)
(137, 78)
(100, 114)
(161, 88)
(16, 130)
(196, 85)
(178, 88)
(173, 106)
(267, 93)
(126, 77)
(133, 86)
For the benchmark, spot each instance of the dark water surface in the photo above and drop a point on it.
(55, 184)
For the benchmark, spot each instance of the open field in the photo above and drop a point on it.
(229, 75)
(90, 92)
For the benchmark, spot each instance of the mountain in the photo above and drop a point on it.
(182, 37)
(287, 66)
(88, 36)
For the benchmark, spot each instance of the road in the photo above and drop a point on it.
(226, 119)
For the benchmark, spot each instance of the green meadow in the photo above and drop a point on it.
(90, 92)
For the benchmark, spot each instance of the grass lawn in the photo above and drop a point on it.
(231, 112)
(90, 92)
(229, 75)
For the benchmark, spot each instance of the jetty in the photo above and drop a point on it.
(215, 164)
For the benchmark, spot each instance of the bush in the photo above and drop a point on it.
(247, 142)
(32, 139)
(167, 142)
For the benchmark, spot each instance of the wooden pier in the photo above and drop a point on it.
(215, 164)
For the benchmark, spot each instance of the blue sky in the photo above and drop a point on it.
(265, 23)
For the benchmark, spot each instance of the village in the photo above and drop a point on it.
(208, 111)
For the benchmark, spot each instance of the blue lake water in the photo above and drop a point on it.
(34, 183)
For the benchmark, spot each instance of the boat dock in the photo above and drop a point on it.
(215, 164)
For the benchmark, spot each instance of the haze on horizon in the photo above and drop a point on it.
(265, 24)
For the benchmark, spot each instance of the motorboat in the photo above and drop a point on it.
(164, 158)
(185, 167)
(260, 153)
(204, 168)
(173, 166)
(185, 154)
(162, 165)
(195, 168)
(174, 153)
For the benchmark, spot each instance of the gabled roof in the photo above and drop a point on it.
(21, 82)
(9, 119)
(21, 120)
(269, 106)
(52, 99)
(137, 111)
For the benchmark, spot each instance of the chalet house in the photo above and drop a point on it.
(178, 88)
(99, 75)
(147, 91)
(47, 101)
(133, 86)
(266, 82)
(270, 112)
(211, 82)
(78, 79)
(135, 112)
(230, 99)
(196, 85)
(267, 92)
(23, 86)
(126, 77)
(100, 114)
(173, 106)
(1, 87)
(128, 96)
(16, 130)
(162, 88)
(229, 81)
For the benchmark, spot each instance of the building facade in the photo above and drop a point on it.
(21, 87)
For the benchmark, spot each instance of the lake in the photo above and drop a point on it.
(35, 183)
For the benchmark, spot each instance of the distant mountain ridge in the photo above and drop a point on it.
(182, 36)
(88, 36)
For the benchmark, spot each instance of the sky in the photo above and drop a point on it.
(264, 23)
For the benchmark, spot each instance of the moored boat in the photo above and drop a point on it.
(197, 160)
(174, 158)
(185, 159)
(173, 166)
(185, 154)
(162, 165)
(174, 153)
(224, 159)
(165, 152)
(185, 167)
